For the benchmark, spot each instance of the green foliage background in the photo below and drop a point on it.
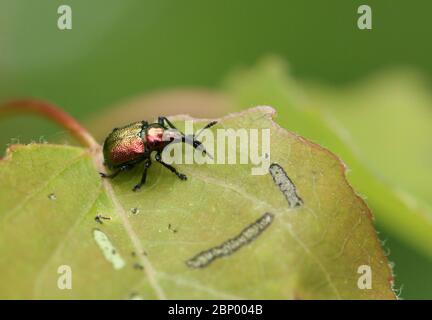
(120, 49)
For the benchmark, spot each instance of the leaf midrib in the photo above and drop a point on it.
(121, 212)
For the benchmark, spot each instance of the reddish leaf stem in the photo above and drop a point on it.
(53, 113)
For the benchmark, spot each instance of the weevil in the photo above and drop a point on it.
(128, 146)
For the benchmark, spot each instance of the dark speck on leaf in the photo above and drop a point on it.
(99, 218)
(171, 228)
(133, 253)
(138, 266)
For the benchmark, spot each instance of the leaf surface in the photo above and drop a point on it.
(50, 196)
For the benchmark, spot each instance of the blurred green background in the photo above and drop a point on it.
(121, 49)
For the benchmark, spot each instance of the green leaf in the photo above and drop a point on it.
(145, 246)
(395, 208)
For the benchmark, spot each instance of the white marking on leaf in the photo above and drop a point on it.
(108, 250)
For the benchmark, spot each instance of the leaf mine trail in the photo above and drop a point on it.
(246, 236)
(285, 185)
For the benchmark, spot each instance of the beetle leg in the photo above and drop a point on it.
(114, 174)
(181, 176)
(147, 164)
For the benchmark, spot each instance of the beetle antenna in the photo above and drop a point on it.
(196, 144)
(209, 125)
(192, 139)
